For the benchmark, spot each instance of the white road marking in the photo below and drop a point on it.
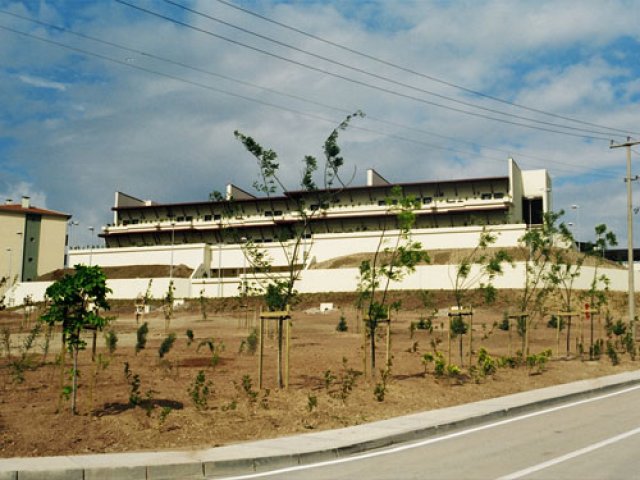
(549, 463)
(429, 441)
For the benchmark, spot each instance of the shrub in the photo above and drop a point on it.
(613, 355)
(134, 385)
(342, 324)
(189, 337)
(111, 340)
(141, 337)
(166, 345)
(553, 322)
(200, 390)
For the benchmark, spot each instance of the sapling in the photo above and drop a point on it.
(250, 344)
(141, 337)
(100, 364)
(189, 337)
(342, 324)
(75, 302)
(312, 402)
(6, 341)
(380, 390)
(111, 341)
(200, 390)
(167, 306)
(203, 305)
(166, 345)
(134, 385)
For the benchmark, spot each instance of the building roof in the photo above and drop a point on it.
(297, 193)
(19, 209)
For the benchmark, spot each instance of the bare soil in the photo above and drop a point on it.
(36, 421)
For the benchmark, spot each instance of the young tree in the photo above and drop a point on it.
(75, 302)
(277, 286)
(564, 269)
(476, 269)
(389, 264)
(599, 287)
(537, 246)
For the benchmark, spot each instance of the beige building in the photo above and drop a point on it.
(32, 242)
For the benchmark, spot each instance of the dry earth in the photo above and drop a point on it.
(35, 421)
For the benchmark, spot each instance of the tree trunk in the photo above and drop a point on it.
(280, 382)
(372, 349)
(74, 388)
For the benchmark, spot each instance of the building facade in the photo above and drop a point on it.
(32, 241)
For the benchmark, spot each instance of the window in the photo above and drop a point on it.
(382, 203)
(207, 218)
(498, 195)
(179, 219)
(485, 196)
(268, 213)
(277, 213)
(427, 200)
(314, 207)
(216, 217)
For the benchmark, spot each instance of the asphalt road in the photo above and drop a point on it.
(594, 438)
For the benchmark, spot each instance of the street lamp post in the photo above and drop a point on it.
(91, 229)
(577, 230)
(72, 223)
(244, 267)
(9, 251)
(173, 232)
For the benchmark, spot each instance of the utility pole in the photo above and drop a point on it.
(632, 289)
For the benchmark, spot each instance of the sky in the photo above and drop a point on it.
(143, 96)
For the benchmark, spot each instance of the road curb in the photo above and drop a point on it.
(252, 457)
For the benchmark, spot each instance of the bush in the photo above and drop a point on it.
(141, 337)
(342, 324)
(166, 345)
(553, 322)
(111, 340)
(200, 390)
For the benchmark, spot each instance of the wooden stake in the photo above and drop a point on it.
(287, 352)
(388, 359)
(470, 338)
(261, 342)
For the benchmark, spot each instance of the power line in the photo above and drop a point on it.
(375, 87)
(302, 99)
(250, 99)
(375, 75)
(412, 71)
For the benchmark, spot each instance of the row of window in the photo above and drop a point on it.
(314, 207)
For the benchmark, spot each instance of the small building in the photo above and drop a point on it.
(32, 241)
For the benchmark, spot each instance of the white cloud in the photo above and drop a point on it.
(157, 138)
(42, 83)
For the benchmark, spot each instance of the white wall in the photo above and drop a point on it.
(191, 255)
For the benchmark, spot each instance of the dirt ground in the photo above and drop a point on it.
(327, 387)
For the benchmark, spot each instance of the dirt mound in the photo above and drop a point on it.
(125, 272)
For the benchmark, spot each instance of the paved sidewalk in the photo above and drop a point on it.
(299, 449)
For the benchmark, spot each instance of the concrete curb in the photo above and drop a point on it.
(302, 449)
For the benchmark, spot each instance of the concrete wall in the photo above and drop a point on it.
(11, 233)
(191, 255)
(53, 232)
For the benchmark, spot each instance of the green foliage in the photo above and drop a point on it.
(250, 344)
(141, 337)
(380, 389)
(203, 305)
(134, 385)
(553, 322)
(75, 302)
(536, 362)
(618, 328)
(425, 324)
(247, 388)
(458, 326)
(214, 349)
(166, 345)
(439, 365)
(487, 364)
(612, 353)
(312, 402)
(389, 264)
(629, 345)
(200, 390)
(342, 324)
(479, 266)
(329, 378)
(111, 341)
(599, 287)
(347, 380)
(190, 337)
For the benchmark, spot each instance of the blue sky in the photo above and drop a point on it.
(74, 128)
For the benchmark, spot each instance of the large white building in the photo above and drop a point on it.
(209, 236)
